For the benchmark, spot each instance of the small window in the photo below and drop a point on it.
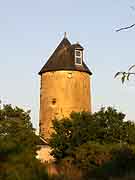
(78, 57)
(78, 53)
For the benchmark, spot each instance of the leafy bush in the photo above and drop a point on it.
(100, 144)
(18, 146)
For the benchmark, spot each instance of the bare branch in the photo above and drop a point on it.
(131, 67)
(118, 73)
(125, 75)
(125, 28)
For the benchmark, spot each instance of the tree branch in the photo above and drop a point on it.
(125, 75)
(125, 28)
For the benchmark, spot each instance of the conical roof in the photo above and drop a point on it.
(63, 58)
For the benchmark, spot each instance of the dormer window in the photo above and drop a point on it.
(78, 57)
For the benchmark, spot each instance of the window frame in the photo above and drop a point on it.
(81, 56)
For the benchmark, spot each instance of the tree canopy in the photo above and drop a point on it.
(18, 146)
(104, 127)
(91, 141)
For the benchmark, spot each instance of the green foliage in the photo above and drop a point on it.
(67, 172)
(99, 143)
(60, 140)
(104, 127)
(18, 146)
(121, 164)
(91, 155)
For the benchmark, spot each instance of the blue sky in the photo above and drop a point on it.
(31, 29)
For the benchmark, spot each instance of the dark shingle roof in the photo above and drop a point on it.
(63, 59)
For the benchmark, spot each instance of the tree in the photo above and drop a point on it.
(104, 127)
(90, 141)
(18, 146)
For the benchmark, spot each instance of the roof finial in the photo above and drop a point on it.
(65, 34)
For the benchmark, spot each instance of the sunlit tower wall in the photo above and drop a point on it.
(65, 85)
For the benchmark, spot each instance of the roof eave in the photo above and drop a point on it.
(64, 69)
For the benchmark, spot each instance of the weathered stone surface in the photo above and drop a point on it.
(61, 93)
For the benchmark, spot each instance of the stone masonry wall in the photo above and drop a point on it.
(61, 93)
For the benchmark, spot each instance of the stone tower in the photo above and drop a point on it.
(65, 85)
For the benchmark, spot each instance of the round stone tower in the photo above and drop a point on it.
(65, 85)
